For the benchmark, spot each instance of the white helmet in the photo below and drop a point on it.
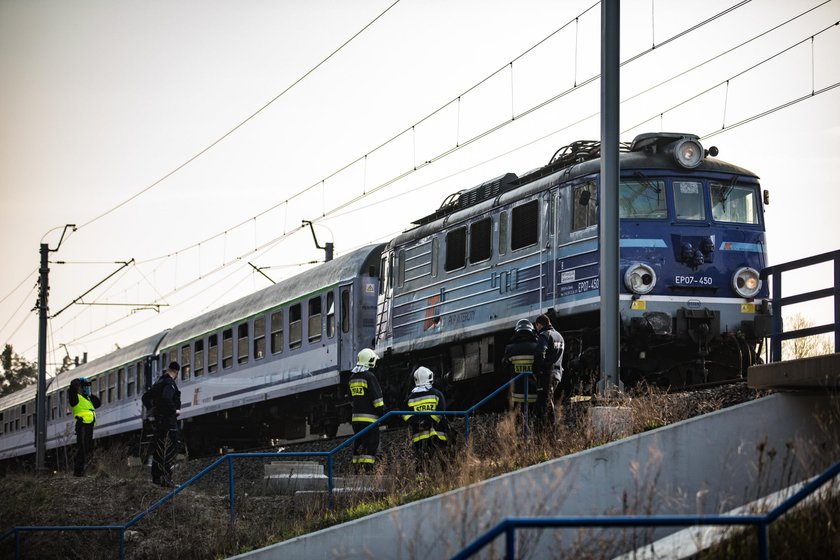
(423, 376)
(367, 358)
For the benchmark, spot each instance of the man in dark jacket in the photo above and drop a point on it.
(166, 406)
(429, 432)
(82, 403)
(368, 407)
(548, 368)
(519, 356)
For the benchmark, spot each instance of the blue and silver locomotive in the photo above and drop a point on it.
(692, 306)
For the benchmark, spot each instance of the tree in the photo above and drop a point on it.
(815, 345)
(16, 372)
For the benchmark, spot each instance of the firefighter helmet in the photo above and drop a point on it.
(524, 325)
(367, 358)
(423, 376)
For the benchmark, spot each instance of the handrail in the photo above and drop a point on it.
(761, 522)
(775, 272)
(228, 457)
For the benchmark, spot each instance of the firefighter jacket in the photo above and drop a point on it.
(549, 353)
(519, 354)
(426, 426)
(365, 396)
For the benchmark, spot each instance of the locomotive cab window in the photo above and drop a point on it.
(641, 199)
(734, 204)
(480, 241)
(525, 225)
(295, 327)
(242, 343)
(688, 200)
(315, 319)
(585, 207)
(456, 249)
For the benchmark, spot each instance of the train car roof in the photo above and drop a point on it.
(510, 188)
(341, 268)
(127, 355)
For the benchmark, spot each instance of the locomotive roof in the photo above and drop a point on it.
(345, 267)
(580, 159)
(130, 353)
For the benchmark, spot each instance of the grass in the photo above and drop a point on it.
(196, 525)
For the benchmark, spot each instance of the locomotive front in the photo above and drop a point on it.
(693, 307)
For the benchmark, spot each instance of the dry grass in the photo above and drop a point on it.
(196, 523)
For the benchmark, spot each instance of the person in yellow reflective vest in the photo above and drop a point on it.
(429, 432)
(82, 405)
(368, 407)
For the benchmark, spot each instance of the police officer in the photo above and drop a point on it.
(519, 356)
(82, 404)
(368, 407)
(429, 433)
(548, 368)
(166, 406)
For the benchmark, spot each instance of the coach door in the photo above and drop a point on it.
(346, 348)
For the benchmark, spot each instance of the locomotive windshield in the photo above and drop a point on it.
(688, 200)
(734, 204)
(642, 199)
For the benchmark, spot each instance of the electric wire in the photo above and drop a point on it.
(241, 124)
(22, 282)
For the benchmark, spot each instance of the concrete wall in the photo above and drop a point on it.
(708, 464)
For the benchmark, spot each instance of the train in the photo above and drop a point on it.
(447, 292)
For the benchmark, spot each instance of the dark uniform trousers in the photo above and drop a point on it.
(84, 446)
(164, 448)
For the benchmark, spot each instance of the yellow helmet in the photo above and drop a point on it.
(367, 358)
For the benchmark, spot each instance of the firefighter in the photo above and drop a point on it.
(165, 400)
(519, 355)
(368, 407)
(548, 369)
(82, 404)
(429, 433)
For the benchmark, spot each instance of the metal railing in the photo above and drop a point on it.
(779, 302)
(229, 457)
(760, 522)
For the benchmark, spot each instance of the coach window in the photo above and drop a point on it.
(100, 382)
(641, 199)
(242, 343)
(480, 241)
(129, 387)
(314, 319)
(173, 356)
(212, 353)
(345, 310)
(112, 386)
(456, 249)
(120, 383)
(185, 362)
(585, 207)
(259, 337)
(62, 403)
(198, 370)
(52, 407)
(524, 227)
(227, 348)
(330, 315)
(277, 332)
(295, 326)
(503, 232)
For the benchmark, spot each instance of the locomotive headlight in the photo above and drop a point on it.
(746, 282)
(640, 278)
(688, 153)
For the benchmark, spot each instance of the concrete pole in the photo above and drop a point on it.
(41, 401)
(608, 207)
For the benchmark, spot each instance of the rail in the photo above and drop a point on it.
(779, 302)
(760, 522)
(229, 457)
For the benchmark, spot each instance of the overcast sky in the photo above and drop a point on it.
(100, 100)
